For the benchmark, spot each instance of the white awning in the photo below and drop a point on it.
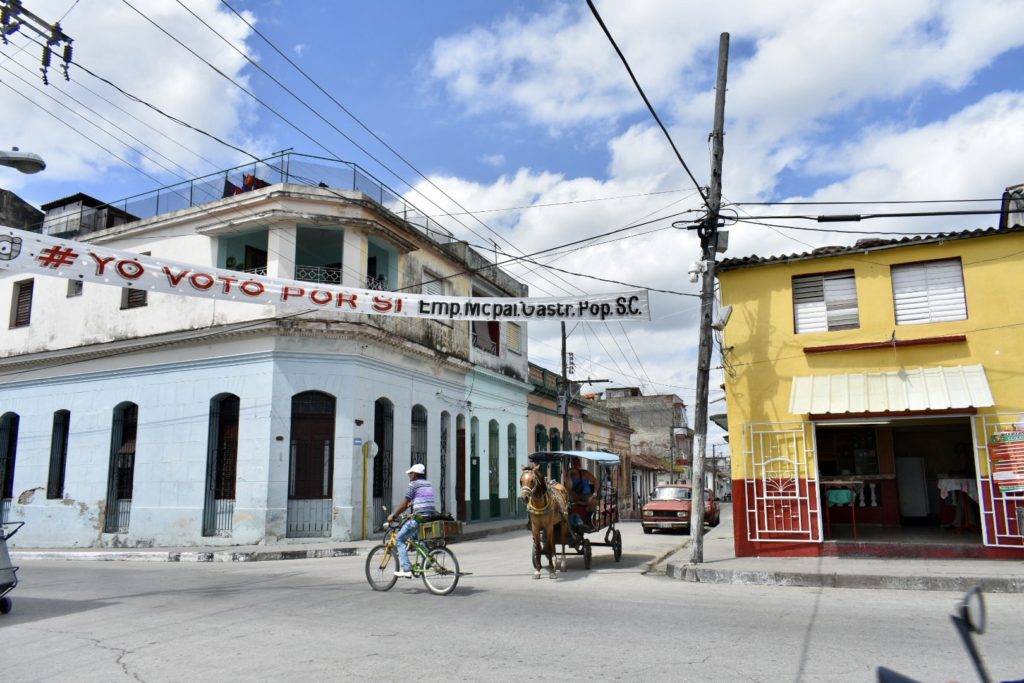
(938, 388)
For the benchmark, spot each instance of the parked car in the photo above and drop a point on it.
(669, 508)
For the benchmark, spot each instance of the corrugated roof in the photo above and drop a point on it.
(918, 389)
(863, 245)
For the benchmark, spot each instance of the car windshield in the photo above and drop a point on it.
(671, 493)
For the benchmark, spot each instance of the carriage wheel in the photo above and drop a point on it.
(587, 554)
(5, 605)
(617, 545)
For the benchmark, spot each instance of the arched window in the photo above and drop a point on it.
(121, 474)
(418, 452)
(58, 454)
(540, 437)
(513, 469)
(8, 450)
(221, 464)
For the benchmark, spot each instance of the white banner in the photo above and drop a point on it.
(32, 253)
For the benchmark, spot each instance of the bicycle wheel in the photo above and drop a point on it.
(441, 571)
(381, 565)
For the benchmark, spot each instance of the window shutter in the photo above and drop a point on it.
(134, 298)
(515, 337)
(75, 288)
(929, 292)
(825, 302)
(432, 284)
(23, 303)
(58, 454)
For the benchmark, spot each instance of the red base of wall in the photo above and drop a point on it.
(748, 548)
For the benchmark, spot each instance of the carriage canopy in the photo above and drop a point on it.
(602, 457)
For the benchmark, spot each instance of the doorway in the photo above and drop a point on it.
(121, 475)
(311, 467)
(221, 462)
(474, 469)
(383, 462)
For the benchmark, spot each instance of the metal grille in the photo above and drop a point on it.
(513, 499)
(493, 468)
(1001, 511)
(8, 452)
(309, 518)
(781, 481)
(221, 465)
(383, 435)
(121, 475)
(58, 454)
(419, 436)
(319, 274)
(445, 428)
(5, 510)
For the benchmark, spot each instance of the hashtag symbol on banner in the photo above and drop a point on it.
(55, 257)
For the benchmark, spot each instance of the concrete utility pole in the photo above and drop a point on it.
(566, 394)
(709, 245)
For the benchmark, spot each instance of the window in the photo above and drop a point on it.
(133, 297)
(540, 436)
(825, 302)
(58, 453)
(929, 292)
(515, 338)
(432, 284)
(75, 288)
(21, 304)
(8, 451)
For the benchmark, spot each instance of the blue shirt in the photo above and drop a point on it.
(421, 494)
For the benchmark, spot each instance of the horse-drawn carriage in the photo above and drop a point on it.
(592, 505)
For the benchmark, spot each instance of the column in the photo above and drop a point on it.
(281, 250)
(353, 258)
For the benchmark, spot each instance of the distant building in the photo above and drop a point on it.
(15, 212)
(1013, 206)
(659, 426)
(80, 214)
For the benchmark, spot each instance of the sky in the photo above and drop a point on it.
(512, 104)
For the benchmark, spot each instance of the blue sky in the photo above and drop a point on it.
(513, 103)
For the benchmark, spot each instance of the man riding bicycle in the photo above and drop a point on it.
(419, 496)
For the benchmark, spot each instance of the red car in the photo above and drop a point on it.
(670, 508)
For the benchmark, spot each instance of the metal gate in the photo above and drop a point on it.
(513, 471)
(121, 475)
(999, 508)
(384, 436)
(311, 466)
(493, 468)
(221, 463)
(781, 482)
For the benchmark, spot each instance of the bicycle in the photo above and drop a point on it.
(433, 562)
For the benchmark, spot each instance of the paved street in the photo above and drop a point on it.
(318, 618)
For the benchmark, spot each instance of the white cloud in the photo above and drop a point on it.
(495, 160)
(300, 49)
(118, 44)
(795, 66)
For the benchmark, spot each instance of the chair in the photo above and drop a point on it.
(841, 495)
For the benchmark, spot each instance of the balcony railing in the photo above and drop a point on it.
(288, 167)
(320, 274)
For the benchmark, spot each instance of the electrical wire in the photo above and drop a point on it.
(867, 202)
(643, 95)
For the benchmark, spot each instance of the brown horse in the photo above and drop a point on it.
(549, 514)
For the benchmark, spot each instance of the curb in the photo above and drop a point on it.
(227, 555)
(956, 584)
(649, 567)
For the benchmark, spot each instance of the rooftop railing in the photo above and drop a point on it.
(286, 167)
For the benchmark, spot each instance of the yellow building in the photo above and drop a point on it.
(874, 396)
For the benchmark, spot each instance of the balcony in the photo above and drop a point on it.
(319, 274)
(288, 167)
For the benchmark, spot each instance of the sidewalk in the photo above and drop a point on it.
(292, 549)
(722, 566)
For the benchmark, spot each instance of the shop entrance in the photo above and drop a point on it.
(899, 481)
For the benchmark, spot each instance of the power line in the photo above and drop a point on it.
(867, 202)
(835, 230)
(570, 202)
(855, 217)
(643, 95)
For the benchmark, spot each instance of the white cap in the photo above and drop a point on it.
(418, 468)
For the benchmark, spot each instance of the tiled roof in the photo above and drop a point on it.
(648, 462)
(864, 245)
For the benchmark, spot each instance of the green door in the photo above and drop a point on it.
(493, 471)
(474, 469)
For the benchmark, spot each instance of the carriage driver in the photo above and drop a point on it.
(419, 496)
(582, 485)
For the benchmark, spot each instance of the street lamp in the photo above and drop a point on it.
(26, 162)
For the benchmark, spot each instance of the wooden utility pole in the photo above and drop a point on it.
(709, 246)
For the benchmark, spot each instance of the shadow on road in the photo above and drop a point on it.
(28, 610)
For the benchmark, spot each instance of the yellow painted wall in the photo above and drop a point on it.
(765, 352)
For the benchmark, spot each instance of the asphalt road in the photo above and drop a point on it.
(318, 619)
